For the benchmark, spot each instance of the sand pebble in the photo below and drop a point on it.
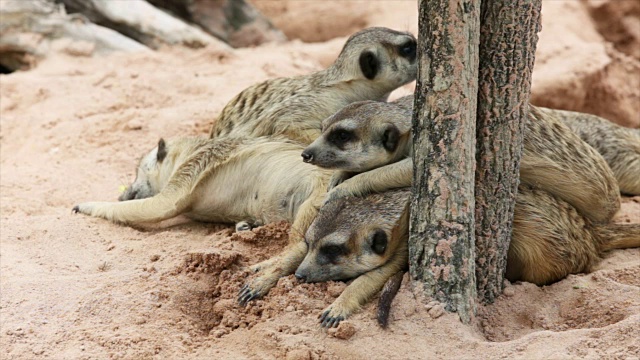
(344, 331)
(436, 311)
(509, 291)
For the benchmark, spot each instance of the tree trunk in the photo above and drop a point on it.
(508, 37)
(441, 241)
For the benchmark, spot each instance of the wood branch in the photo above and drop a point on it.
(441, 241)
(508, 38)
(235, 22)
(143, 22)
(29, 30)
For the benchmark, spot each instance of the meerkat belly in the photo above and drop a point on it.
(262, 188)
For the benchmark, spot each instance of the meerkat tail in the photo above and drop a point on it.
(619, 236)
(389, 292)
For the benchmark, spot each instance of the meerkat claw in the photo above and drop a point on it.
(246, 294)
(328, 321)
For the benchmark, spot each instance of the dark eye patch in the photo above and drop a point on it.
(331, 252)
(341, 137)
(379, 242)
(408, 50)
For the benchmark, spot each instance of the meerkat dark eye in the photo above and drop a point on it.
(408, 50)
(340, 137)
(331, 252)
(379, 242)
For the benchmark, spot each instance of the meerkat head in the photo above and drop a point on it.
(153, 171)
(355, 235)
(362, 136)
(379, 54)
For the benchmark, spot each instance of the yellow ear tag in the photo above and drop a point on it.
(122, 188)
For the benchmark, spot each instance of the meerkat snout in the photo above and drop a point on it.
(307, 156)
(301, 276)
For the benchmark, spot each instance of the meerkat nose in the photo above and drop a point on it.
(301, 277)
(307, 156)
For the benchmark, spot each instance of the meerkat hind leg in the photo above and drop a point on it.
(149, 210)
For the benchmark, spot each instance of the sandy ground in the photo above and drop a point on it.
(73, 287)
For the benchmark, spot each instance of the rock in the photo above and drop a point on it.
(509, 291)
(436, 311)
(344, 331)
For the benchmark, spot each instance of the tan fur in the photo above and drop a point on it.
(295, 107)
(550, 240)
(281, 187)
(554, 158)
(619, 146)
(186, 185)
(352, 224)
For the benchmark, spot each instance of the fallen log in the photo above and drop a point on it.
(235, 22)
(30, 29)
(143, 22)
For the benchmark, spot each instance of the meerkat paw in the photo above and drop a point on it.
(335, 194)
(243, 226)
(88, 208)
(256, 289)
(333, 315)
(338, 178)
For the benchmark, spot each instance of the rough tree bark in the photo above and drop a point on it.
(508, 38)
(441, 241)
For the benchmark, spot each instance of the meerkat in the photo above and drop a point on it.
(620, 146)
(174, 178)
(365, 239)
(372, 63)
(369, 143)
(256, 180)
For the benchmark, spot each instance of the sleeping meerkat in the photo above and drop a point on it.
(620, 146)
(256, 180)
(372, 63)
(174, 178)
(365, 239)
(370, 144)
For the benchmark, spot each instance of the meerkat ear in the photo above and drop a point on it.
(162, 150)
(390, 137)
(369, 64)
(379, 242)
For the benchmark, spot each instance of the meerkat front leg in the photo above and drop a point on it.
(338, 177)
(288, 261)
(395, 175)
(362, 289)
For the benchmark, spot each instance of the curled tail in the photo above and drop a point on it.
(619, 236)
